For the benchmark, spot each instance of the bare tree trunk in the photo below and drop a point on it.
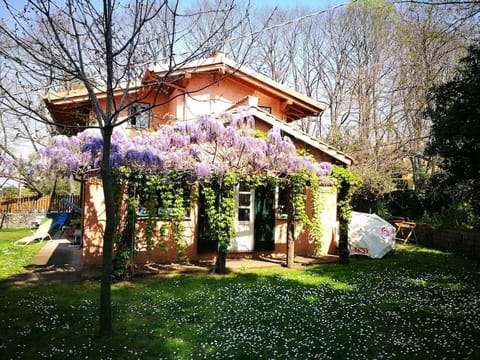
(221, 262)
(52, 193)
(106, 328)
(290, 230)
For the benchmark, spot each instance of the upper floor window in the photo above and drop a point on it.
(267, 109)
(139, 114)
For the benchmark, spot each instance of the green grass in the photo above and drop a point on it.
(415, 304)
(13, 259)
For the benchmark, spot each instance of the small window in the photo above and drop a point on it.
(244, 202)
(267, 109)
(164, 206)
(139, 115)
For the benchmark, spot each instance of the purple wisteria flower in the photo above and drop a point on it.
(204, 147)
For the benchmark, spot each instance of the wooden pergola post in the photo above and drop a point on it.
(343, 219)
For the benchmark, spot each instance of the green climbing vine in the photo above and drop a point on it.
(316, 227)
(153, 185)
(166, 200)
(346, 183)
(177, 217)
(220, 206)
(220, 210)
(298, 183)
(160, 201)
(124, 237)
(344, 179)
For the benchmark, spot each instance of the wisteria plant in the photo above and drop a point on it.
(206, 150)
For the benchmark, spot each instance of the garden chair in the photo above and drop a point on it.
(405, 231)
(40, 234)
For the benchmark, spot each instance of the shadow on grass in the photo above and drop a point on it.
(415, 303)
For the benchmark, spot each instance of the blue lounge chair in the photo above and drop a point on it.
(60, 221)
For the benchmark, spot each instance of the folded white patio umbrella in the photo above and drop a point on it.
(370, 235)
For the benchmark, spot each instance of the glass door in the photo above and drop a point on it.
(244, 219)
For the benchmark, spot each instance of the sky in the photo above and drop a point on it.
(313, 4)
(285, 4)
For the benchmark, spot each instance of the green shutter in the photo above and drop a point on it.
(206, 241)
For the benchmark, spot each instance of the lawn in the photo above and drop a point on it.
(415, 304)
(14, 258)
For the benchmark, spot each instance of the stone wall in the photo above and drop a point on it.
(19, 220)
(462, 241)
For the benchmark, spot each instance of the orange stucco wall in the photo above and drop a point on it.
(205, 96)
(201, 94)
(219, 96)
(93, 221)
(94, 225)
(304, 245)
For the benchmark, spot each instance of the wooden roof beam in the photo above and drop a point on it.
(285, 104)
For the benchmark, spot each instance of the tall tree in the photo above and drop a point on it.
(455, 114)
(18, 137)
(329, 50)
(431, 39)
(103, 47)
(222, 25)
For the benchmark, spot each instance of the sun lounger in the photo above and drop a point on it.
(60, 222)
(39, 234)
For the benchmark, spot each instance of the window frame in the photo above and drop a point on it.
(280, 206)
(267, 109)
(142, 212)
(136, 111)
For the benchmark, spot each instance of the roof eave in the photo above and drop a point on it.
(302, 136)
(82, 95)
(227, 66)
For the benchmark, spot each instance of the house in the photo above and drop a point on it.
(210, 86)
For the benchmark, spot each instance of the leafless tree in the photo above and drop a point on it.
(361, 62)
(220, 25)
(18, 135)
(470, 8)
(431, 40)
(329, 58)
(105, 47)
